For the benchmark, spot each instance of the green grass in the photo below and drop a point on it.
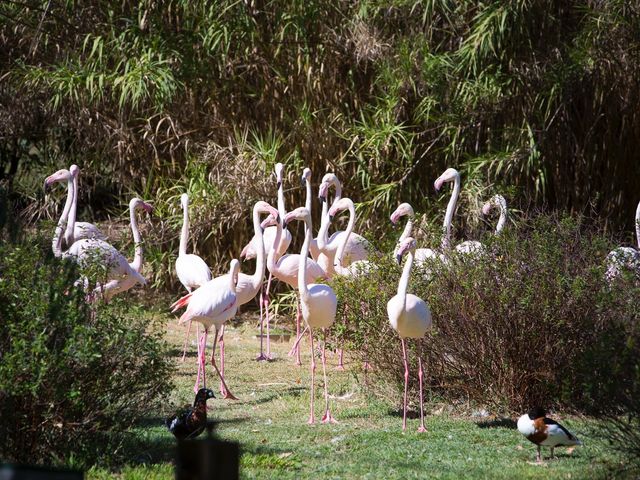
(270, 418)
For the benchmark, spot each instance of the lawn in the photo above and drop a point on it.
(269, 421)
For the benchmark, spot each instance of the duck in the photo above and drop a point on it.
(190, 422)
(544, 431)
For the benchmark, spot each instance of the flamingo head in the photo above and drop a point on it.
(323, 192)
(449, 175)
(184, 201)
(402, 210)
(234, 270)
(136, 203)
(328, 180)
(74, 170)
(495, 201)
(407, 245)
(264, 207)
(270, 221)
(306, 176)
(62, 175)
(339, 205)
(279, 168)
(299, 213)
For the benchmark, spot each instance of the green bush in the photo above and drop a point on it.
(531, 322)
(73, 377)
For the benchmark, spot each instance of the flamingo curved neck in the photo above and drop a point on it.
(307, 200)
(502, 220)
(404, 279)
(256, 278)
(281, 208)
(271, 257)
(352, 220)
(302, 264)
(638, 225)
(451, 207)
(325, 221)
(408, 228)
(71, 225)
(184, 234)
(137, 240)
(56, 243)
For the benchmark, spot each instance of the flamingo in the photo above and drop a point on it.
(249, 252)
(285, 269)
(411, 318)
(357, 247)
(192, 270)
(121, 275)
(316, 254)
(499, 202)
(469, 246)
(421, 254)
(624, 258)
(318, 304)
(80, 229)
(213, 304)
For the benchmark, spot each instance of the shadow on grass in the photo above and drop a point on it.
(498, 423)
(177, 352)
(399, 413)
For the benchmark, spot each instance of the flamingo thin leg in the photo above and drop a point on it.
(262, 357)
(327, 418)
(223, 389)
(340, 349)
(421, 428)
(406, 385)
(202, 344)
(266, 302)
(295, 350)
(228, 394)
(186, 340)
(312, 420)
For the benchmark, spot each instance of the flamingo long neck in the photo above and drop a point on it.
(302, 264)
(137, 240)
(451, 207)
(71, 225)
(184, 234)
(352, 220)
(307, 200)
(56, 243)
(404, 279)
(503, 217)
(638, 225)
(408, 228)
(325, 222)
(271, 257)
(281, 209)
(256, 278)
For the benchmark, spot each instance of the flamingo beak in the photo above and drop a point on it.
(279, 184)
(399, 258)
(303, 182)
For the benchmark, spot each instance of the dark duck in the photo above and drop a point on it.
(544, 431)
(190, 422)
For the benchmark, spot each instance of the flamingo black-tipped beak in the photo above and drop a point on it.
(399, 258)
(279, 184)
(303, 182)
(322, 198)
(331, 218)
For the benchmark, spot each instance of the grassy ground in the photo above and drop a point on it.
(269, 421)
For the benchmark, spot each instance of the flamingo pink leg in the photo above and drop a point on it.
(296, 345)
(226, 393)
(406, 384)
(266, 300)
(202, 345)
(421, 428)
(312, 420)
(262, 357)
(186, 340)
(327, 418)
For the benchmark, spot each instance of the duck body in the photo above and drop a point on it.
(544, 431)
(190, 422)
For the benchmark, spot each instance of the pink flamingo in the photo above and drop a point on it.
(421, 254)
(318, 304)
(357, 247)
(80, 229)
(121, 275)
(191, 269)
(625, 258)
(213, 304)
(411, 318)
(499, 202)
(469, 246)
(250, 251)
(285, 269)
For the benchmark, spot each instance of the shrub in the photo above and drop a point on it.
(531, 322)
(72, 376)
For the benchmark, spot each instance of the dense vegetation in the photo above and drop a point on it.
(161, 97)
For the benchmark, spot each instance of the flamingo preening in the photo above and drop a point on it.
(625, 258)
(497, 201)
(120, 275)
(411, 318)
(213, 304)
(269, 241)
(318, 303)
(191, 269)
(469, 246)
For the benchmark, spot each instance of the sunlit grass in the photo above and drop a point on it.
(269, 422)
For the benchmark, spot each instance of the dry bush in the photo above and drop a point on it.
(530, 322)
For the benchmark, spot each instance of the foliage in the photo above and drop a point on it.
(73, 377)
(530, 322)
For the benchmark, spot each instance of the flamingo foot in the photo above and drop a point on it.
(328, 418)
(422, 429)
(340, 367)
(311, 421)
(227, 395)
(263, 358)
(366, 366)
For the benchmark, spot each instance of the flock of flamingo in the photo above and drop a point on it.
(214, 301)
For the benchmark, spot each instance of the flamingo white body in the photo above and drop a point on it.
(79, 230)
(213, 304)
(470, 246)
(318, 305)
(624, 258)
(356, 248)
(410, 316)
(497, 201)
(544, 431)
(421, 254)
(120, 275)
